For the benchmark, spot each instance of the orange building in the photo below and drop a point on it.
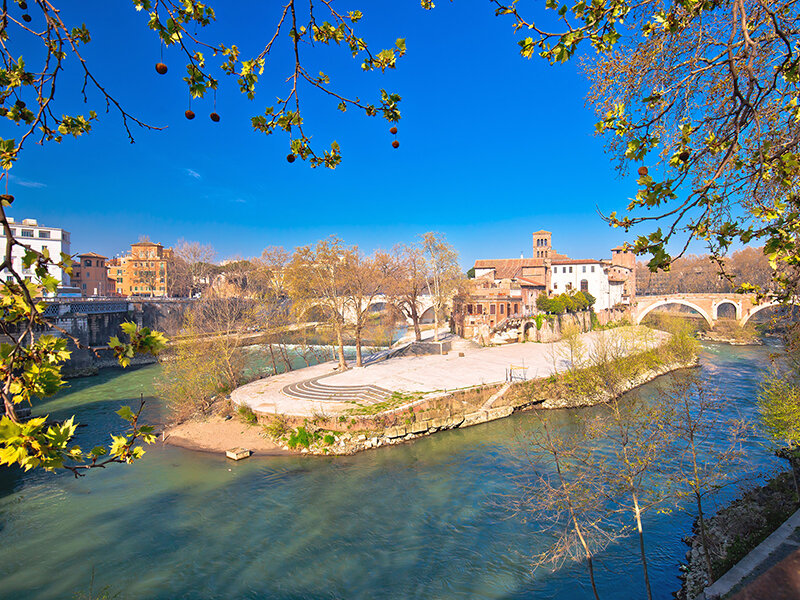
(146, 271)
(90, 275)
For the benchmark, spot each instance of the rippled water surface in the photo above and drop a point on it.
(421, 520)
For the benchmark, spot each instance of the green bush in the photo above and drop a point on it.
(300, 437)
(276, 427)
(247, 415)
(328, 439)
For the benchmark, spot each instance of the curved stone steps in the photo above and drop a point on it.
(313, 389)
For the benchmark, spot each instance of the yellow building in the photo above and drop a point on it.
(146, 271)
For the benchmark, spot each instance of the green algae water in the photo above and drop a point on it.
(419, 520)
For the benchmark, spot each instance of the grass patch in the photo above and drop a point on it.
(395, 400)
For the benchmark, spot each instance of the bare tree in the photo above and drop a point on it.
(317, 277)
(443, 273)
(709, 446)
(408, 283)
(367, 278)
(193, 266)
(560, 489)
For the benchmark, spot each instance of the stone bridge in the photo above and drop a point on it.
(379, 302)
(708, 305)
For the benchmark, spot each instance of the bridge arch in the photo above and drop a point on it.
(736, 307)
(660, 303)
(757, 309)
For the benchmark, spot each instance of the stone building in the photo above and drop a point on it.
(90, 275)
(147, 271)
(508, 287)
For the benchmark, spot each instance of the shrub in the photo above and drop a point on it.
(300, 437)
(328, 439)
(567, 302)
(590, 300)
(276, 427)
(247, 415)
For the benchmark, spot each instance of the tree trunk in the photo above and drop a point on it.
(272, 356)
(704, 538)
(357, 333)
(415, 320)
(340, 349)
(641, 546)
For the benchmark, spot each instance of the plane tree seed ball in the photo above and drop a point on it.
(642, 171)
(214, 117)
(161, 68)
(290, 158)
(189, 114)
(684, 156)
(26, 18)
(393, 130)
(395, 144)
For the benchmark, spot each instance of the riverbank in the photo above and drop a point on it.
(218, 434)
(403, 398)
(735, 530)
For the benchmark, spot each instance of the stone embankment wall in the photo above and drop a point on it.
(451, 411)
(552, 329)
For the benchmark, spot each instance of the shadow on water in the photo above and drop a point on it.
(418, 520)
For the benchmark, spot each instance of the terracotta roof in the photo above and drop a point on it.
(616, 279)
(541, 231)
(588, 261)
(507, 268)
(533, 282)
(92, 254)
(145, 244)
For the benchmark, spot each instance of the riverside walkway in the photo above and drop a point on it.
(321, 390)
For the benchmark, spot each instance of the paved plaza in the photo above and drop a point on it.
(320, 389)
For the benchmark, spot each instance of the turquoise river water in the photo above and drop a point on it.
(420, 520)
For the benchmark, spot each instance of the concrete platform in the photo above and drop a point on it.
(427, 375)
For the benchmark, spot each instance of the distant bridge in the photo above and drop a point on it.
(379, 302)
(707, 305)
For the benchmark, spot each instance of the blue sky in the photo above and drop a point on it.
(492, 146)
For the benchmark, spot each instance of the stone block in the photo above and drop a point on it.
(499, 413)
(395, 432)
(475, 418)
(419, 427)
(237, 453)
(439, 423)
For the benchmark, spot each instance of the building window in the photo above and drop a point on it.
(570, 269)
(584, 269)
(26, 233)
(44, 234)
(502, 309)
(584, 285)
(84, 286)
(491, 309)
(592, 268)
(555, 286)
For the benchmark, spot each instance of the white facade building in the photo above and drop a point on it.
(588, 275)
(37, 237)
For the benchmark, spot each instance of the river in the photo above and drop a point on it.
(419, 520)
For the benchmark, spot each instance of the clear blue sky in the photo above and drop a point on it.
(493, 146)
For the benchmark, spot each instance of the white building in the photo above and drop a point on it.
(37, 237)
(593, 276)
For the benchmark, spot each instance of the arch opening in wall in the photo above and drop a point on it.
(658, 315)
(727, 310)
(427, 317)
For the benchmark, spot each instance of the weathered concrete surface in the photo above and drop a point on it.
(434, 375)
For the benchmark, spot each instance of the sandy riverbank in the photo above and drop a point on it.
(215, 434)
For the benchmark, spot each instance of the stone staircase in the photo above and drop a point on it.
(315, 390)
